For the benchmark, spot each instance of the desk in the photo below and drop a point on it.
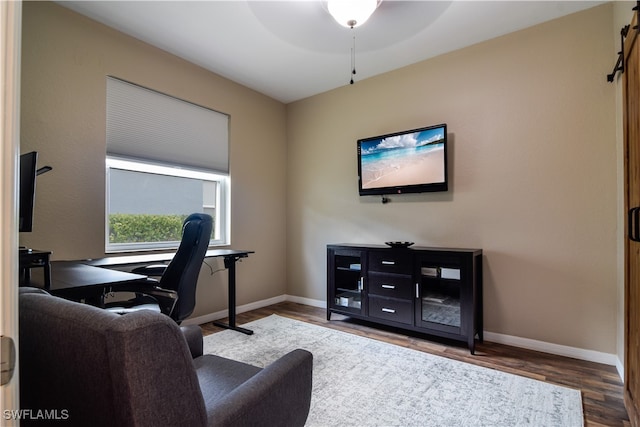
(76, 281)
(230, 257)
(31, 258)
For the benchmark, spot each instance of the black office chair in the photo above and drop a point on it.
(175, 293)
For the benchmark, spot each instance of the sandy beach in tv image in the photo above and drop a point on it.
(408, 159)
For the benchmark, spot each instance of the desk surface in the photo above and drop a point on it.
(87, 280)
(71, 276)
(115, 261)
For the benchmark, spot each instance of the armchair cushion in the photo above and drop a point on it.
(278, 395)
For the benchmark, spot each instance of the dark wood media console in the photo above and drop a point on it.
(436, 291)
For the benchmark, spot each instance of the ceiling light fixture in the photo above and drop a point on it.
(351, 13)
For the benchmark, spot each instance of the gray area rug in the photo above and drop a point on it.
(359, 381)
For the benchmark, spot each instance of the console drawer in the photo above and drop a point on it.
(390, 285)
(391, 261)
(391, 309)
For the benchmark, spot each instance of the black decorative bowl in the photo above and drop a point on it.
(399, 244)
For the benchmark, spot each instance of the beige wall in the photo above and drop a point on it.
(533, 165)
(533, 169)
(65, 58)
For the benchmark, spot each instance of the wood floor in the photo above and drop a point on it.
(600, 384)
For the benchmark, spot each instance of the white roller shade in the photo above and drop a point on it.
(145, 124)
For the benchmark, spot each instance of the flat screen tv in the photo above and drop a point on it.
(27, 191)
(412, 161)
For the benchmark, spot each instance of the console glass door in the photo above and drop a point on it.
(348, 282)
(438, 295)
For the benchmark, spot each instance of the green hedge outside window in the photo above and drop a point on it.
(136, 228)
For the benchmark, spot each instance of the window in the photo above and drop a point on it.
(147, 203)
(166, 158)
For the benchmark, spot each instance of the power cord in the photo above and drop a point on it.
(211, 270)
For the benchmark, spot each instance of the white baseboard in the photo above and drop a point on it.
(545, 347)
(239, 309)
(557, 349)
(307, 301)
(620, 368)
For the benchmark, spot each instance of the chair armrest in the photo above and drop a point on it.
(278, 395)
(150, 270)
(193, 335)
(166, 298)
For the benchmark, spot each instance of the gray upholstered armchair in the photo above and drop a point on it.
(137, 370)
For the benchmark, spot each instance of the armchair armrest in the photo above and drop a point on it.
(193, 335)
(278, 395)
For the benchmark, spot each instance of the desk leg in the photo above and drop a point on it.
(230, 264)
(47, 276)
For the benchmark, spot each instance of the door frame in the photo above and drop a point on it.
(10, 45)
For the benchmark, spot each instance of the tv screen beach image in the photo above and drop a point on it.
(407, 159)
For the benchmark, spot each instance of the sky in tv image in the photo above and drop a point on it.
(407, 159)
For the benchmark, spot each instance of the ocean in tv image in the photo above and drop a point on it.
(406, 159)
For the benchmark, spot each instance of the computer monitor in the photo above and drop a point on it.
(28, 172)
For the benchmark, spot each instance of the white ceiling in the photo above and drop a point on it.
(290, 50)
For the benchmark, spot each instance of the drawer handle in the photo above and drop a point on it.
(389, 286)
(388, 310)
(389, 262)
